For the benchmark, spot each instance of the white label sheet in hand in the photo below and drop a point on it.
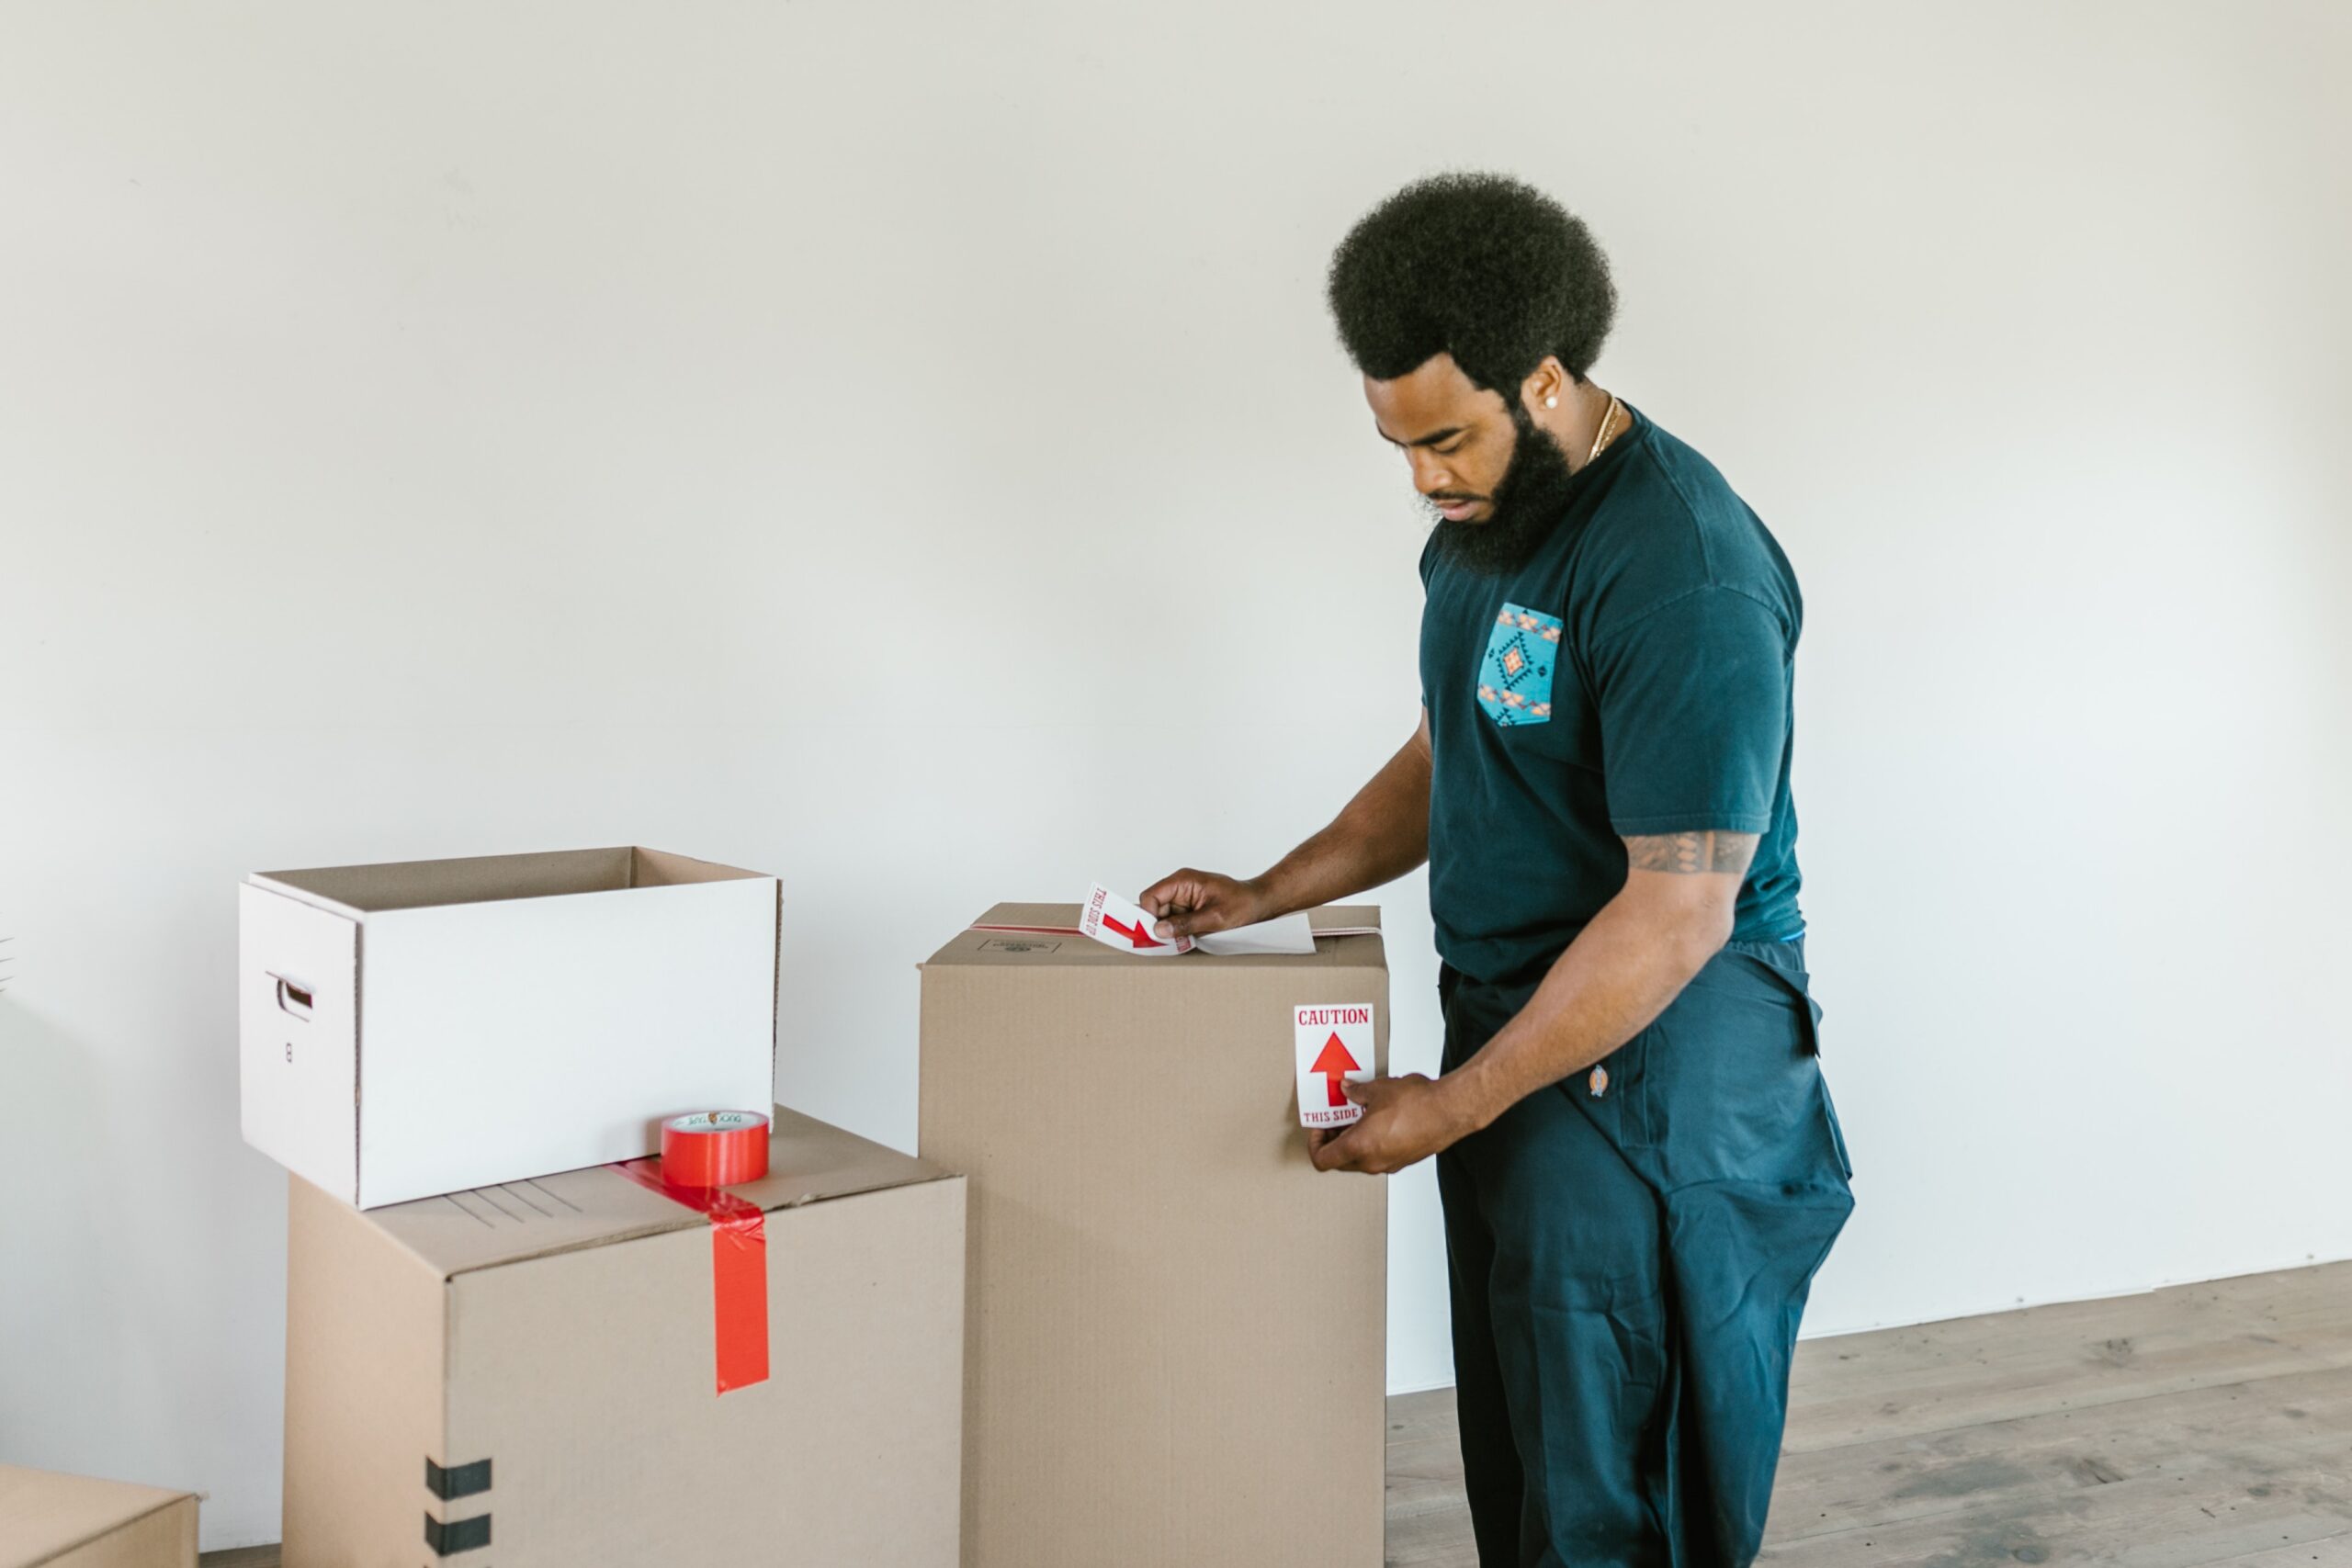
(1283, 933)
(1115, 922)
(1111, 920)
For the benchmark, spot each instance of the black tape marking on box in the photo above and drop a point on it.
(457, 1535)
(458, 1480)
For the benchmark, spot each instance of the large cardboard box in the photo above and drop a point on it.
(1176, 1325)
(529, 1375)
(428, 1026)
(73, 1521)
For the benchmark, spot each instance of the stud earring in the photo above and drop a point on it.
(1551, 402)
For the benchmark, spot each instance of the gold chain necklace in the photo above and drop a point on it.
(1601, 436)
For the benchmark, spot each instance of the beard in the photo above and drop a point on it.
(1522, 513)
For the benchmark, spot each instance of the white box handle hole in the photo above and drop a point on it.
(293, 997)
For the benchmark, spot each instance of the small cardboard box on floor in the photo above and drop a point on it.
(428, 1026)
(577, 1369)
(55, 1520)
(1176, 1341)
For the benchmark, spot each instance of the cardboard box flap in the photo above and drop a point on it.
(809, 1161)
(1048, 942)
(484, 879)
(45, 1514)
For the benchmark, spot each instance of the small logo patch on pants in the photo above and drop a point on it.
(1600, 1082)
(1515, 677)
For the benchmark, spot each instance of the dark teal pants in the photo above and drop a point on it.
(1628, 1267)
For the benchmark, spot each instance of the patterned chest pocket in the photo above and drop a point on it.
(1515, 677)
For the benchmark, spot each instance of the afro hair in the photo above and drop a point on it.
(1482, 266)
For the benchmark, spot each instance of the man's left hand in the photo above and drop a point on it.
(1405, 1120)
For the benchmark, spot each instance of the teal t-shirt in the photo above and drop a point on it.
(1634, 678)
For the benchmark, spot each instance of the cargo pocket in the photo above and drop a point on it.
(1829, 1108)
(1836, 1134)
(1809, 1027)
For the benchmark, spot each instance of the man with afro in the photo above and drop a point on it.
(1640, 1164)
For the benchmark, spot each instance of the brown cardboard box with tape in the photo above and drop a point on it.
(76, 1521)
(578, 1368)
(1176, 1325)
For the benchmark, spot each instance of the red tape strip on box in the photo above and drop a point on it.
(738, 1272)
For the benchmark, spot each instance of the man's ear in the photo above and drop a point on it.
(1550, 378)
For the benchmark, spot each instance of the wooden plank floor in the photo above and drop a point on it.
(2201, 1425)
(2205, 1424)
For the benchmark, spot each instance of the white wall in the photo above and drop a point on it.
(903, 448)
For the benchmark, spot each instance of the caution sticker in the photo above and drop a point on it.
(1334, 1046)
(1115, 922)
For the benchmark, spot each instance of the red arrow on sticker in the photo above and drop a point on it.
(1137, 934)
(1333, 1063)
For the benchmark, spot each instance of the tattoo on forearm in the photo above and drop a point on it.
(1687, 852)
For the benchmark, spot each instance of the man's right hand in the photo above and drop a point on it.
(1194, 903)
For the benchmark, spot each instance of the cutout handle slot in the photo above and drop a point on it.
(295, 999)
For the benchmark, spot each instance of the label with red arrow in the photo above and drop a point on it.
(1334, 1046)
(1111, 920)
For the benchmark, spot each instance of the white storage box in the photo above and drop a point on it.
(431, 1026)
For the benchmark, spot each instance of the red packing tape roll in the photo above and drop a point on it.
(714, 1148)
